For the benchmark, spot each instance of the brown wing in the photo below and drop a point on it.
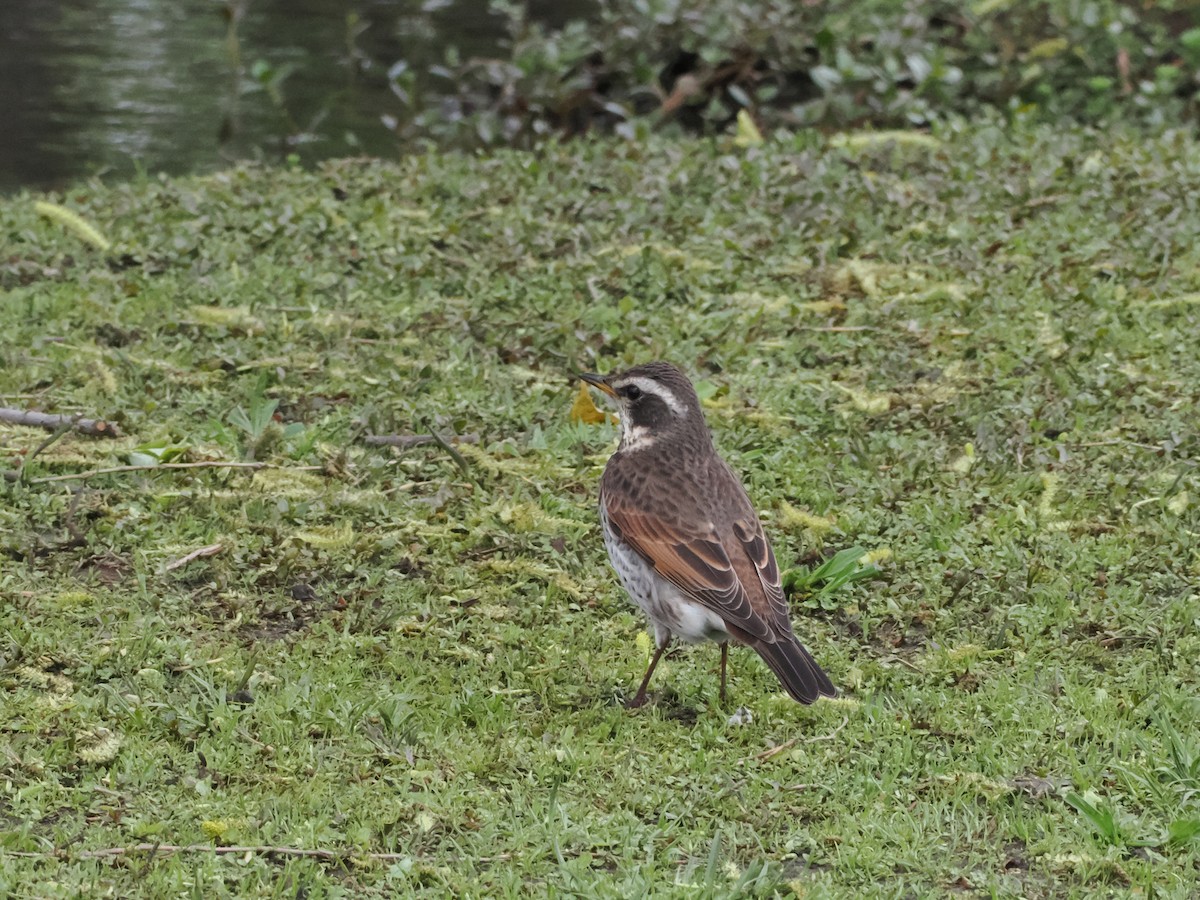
(792, 664)
(763, 572)
(709, 543)
(683, 544)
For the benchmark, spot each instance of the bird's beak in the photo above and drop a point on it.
(597, 381)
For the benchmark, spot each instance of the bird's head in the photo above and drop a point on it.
(656, 402)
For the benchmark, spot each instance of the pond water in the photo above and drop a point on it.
(113, 86)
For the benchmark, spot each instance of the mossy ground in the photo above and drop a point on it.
(976, 354)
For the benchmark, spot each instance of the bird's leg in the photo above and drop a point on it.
(724, 660)
(639, 699)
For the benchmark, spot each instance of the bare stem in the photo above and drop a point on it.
(167, 849)
(211, 464)
(54, 421)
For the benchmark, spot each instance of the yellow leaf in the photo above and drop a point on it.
(73, 222)
(987, 7)
(1183, 299)
(748, 134)
(214, 828)
(98, 745)
(866, 401)
(823, 307)
(1048, 49)
(235, 318)
(583, 410)
(791, 517)
(328, 537)
(963, 464)
(868, 140)
(878, 555)
(644, 643)
(1046, 507)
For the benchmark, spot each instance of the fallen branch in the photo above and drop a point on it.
(404, 441)
(454, 454)
(1120, 442)
(210, 550)
(838, 329)
(32, 454)
(167, 849)
(212, 464)
(788, 745)
(54, 421)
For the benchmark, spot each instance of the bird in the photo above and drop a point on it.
(684, 538)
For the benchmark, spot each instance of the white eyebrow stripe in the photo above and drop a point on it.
(650, 386)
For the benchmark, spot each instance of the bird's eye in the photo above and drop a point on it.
(633, 392)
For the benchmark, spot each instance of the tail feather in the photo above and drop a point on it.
(795, 668)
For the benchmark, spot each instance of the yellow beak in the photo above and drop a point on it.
(597, 381)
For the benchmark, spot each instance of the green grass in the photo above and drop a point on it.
(978, 355)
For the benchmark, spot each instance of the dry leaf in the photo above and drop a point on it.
(748, 134)
(210, 550)
(584, 410)
(73, 222)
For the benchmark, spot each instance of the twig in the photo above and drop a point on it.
(1142, 503)
(454, 454)
(166, 849)
(78, 537)
(902, 661)
(62, 429)
(1119, 442)
(210, 550)
(837, 329)
(788, 745)
(52, 421)
(404, 441)
(213, 464)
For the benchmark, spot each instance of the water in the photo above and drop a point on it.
(108, 87)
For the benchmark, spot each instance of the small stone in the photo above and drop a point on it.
(741, 716)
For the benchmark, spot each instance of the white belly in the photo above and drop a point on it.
(669, 611)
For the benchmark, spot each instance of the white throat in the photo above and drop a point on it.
(635, 437)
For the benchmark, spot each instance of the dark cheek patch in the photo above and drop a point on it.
(651, 412)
